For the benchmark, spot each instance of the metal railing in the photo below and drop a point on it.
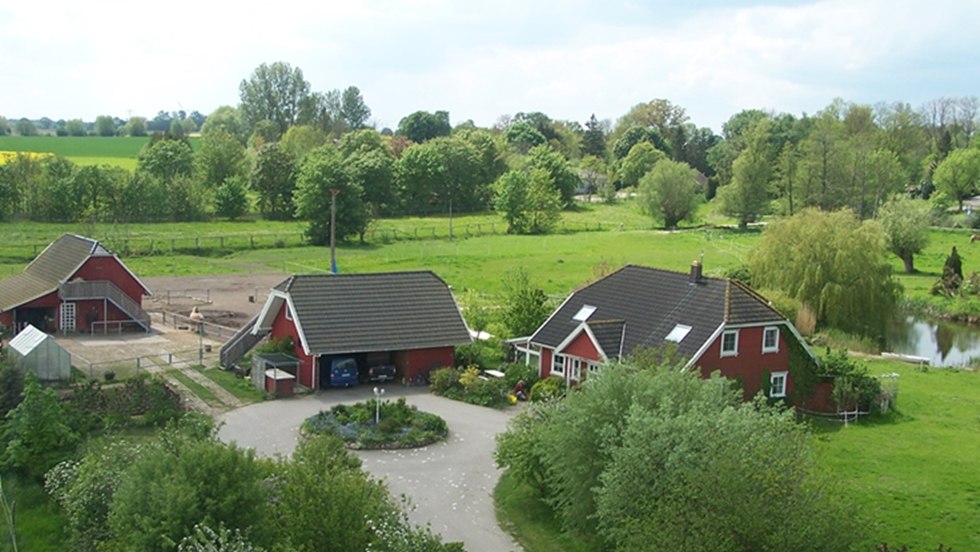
(241, 343)
(104, 289)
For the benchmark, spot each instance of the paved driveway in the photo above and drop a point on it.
(449, 483)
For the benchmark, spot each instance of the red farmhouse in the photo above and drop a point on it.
(74, 285)
(406, 319)
(716, 324)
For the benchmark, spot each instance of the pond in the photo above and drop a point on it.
(943, 343)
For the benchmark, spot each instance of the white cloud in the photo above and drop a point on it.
(70, 59)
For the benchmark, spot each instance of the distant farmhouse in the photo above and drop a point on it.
(75, 285)
(409, 320)
(713, 324)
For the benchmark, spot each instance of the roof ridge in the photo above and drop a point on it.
(728, 300)
(755, 295)
(669, 271)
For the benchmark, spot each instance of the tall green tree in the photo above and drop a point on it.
(25, 127)
(220, 157)
(528, 201)
(833, 263)
(36, 433)
(564, 176)
(640, 160)
(226, 118)
(422, 126)
(523, 136)
(635, 135)
(958, 176)
(302, 139)
(526, 305)
(420, 175)
(105, 126)
(594, 138)
(136, 126)
(274, 92)
(353, 109)
(374, 172)
(670, 192)
(906, 225)
(231, 198)
(747, 197)
(166, 159)
(274, 179)
(322, 172)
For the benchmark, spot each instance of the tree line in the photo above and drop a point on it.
(281, 151)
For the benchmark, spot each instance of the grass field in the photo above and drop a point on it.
(39, 522)
(83, 150)
(913, 473)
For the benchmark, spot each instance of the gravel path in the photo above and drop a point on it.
(450, 483)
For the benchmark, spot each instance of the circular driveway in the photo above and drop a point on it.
(450, 484)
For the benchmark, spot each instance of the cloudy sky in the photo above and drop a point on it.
(479, 60)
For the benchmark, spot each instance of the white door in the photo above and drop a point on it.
(68, 317)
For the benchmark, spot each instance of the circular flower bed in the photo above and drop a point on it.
(400, 425)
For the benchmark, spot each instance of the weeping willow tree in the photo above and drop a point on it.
(834, 264)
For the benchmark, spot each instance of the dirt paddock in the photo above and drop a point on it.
(224, 299)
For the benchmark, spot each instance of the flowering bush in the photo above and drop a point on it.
(399, 425)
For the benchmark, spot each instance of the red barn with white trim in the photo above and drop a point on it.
(75, 285)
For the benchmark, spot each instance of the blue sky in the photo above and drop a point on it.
(481, 60)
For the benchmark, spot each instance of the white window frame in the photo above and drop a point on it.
(576, 372)
(555, 357)
(772, 384)
(775, 346)
(592, 367)
(732, 352)
(288, 313)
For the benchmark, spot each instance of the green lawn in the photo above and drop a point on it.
(241, 388)
(523, 514)
(915, 472)
(84, 150)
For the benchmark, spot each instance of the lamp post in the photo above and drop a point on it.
(198, 317)
(377, 404)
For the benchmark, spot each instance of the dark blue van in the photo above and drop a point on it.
(343, 372)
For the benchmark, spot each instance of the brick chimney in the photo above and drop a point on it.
(695, 272)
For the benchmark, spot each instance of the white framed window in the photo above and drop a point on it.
(729, 343)
(770, 340)
(576, 372)
(777, 384)
(558, 364)
(593, 368)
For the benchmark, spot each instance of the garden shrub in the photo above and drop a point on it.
(854, 387)
(551, 387)
(520, 371)
(469, 376)
(485, 354)
(486, 392)
(400, 425)
(443, 380)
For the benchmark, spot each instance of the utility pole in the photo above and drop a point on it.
(333, 231)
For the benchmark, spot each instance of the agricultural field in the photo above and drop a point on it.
(84, 150)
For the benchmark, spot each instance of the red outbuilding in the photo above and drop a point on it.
(711, 324)
(405, 322)
(75, 285)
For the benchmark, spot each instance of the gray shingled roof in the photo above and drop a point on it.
(651, 302)
(390, 311)
(54, 265)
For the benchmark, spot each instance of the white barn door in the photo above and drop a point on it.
(68, 317)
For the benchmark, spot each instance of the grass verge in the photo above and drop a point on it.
(241, 388)
(522, 513)
(202, 392)
(39, 523)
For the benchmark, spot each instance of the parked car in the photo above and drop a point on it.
(382, 373)
(343, 372)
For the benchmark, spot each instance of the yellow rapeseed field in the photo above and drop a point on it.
(6, 156)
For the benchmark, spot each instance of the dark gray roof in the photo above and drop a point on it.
(54, 265)
(391, 311)
(609, 334)
(650, 302)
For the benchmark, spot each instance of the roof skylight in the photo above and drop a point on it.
(678, 334)
(584, 313)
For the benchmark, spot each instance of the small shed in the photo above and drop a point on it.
(274, 373)
(38, 352)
